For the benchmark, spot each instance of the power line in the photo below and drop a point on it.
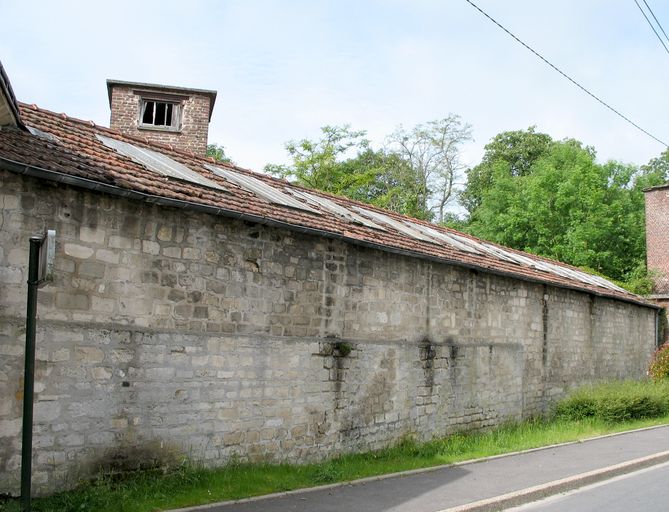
(651, 24)
(656, 20)
(622, 116)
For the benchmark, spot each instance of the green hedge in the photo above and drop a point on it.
(616, 401)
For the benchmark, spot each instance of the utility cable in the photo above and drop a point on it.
(650, 23)
(622, 116)
(656, 20)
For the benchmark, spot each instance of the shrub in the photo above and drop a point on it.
(343, 348)
(659, 366)
(328, 473)
(616, 401)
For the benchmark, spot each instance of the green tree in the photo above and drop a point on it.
(413, 175)
(655, 172)
(508, 153)
(389, 182)
(567, 206)
(217, 152)
(342, 162)
(322, 164)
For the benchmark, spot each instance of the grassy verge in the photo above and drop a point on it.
(617, 401)
(577, 418)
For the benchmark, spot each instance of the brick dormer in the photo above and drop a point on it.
(161, 113)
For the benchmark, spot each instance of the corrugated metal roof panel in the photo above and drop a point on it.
(395, 224)
(442, 237)
(515, 257)
(259, 188)
(157, 162)
(480, 248)
(333, 207)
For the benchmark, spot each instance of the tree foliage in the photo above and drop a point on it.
(562, 204)
(529, 191)
(414, 174)
(511, 153)
(655, 172)
(325, 164)
(432, 153)
(217, 152)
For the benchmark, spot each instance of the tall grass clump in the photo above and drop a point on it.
(617, 401)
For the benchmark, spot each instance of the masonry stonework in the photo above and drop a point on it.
(168, 333)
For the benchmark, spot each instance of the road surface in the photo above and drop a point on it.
(642, 491)
(459, 485)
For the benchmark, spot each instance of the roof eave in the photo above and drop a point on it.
(211, 94)
(8, 97)
(656, 187)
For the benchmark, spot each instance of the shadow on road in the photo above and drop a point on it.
(397, 494)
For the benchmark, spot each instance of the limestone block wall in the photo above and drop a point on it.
(169, 334)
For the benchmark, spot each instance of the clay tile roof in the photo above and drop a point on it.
(68, 150)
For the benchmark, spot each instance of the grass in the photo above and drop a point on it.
(617, 401)
(576, 419)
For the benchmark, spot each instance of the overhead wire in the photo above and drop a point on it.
(650, 23)
(656, 20)
(565, 75)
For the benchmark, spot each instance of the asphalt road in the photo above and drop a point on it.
(460, 484)
(643, 491)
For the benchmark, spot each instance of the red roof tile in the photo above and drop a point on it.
(75, 151)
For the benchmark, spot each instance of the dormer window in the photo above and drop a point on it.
(160, 114)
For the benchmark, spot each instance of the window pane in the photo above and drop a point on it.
(160, 114)
(168, 114)
(147, 118)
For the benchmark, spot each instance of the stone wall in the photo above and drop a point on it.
(168, 333)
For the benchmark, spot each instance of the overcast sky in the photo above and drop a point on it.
(284, 68)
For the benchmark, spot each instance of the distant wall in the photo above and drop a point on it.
(168, 333)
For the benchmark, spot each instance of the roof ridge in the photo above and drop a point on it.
(86, 122)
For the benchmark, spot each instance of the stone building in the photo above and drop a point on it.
(201, 310)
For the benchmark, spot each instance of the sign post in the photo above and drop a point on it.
(40, 268)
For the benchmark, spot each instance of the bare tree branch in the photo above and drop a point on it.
(432, 151)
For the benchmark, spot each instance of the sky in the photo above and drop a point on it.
(285, 68)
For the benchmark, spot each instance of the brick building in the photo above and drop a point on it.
(175, 116)
(657, 240)
(201, 310)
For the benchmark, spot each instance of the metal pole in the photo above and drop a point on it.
(29, 376)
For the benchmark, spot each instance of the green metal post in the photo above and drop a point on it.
(29, 376)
